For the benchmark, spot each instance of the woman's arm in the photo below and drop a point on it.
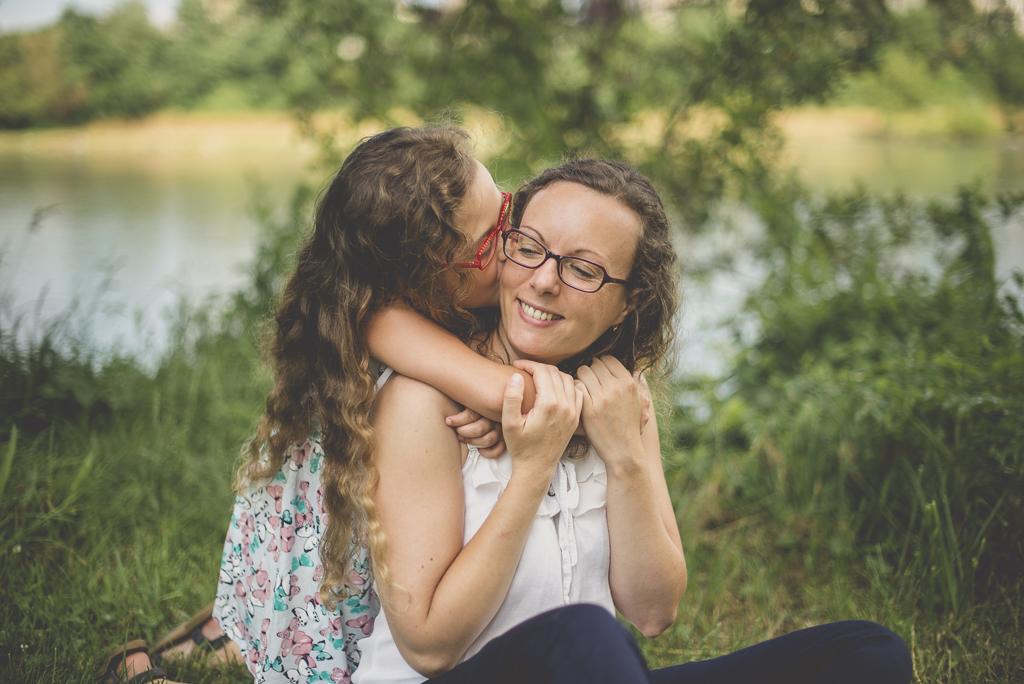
(419, 348)
(648, 569)
(441, 595)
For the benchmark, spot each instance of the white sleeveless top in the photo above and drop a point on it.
(565, 559)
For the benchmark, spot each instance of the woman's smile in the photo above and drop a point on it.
(537, 316)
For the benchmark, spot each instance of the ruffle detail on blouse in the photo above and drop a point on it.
(588, 490)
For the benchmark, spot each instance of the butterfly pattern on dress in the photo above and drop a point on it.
(268, 597)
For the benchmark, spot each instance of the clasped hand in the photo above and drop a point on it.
(536, 440)
(613, 411)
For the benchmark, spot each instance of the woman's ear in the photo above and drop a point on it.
(627, 308)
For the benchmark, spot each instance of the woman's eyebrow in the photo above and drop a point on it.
(581, 250)
(536, 233)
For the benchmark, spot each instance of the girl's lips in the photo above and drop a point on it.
(536, 315)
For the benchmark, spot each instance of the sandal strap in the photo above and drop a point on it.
(211, 645)
(118, 657)
(147, 676)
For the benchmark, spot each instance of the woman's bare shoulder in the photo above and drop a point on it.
(405, 400)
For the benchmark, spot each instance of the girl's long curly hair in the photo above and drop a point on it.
(382, 230)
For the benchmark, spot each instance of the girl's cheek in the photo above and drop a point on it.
(494, 286)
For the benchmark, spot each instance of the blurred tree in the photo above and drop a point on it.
(31, 73)
(684, 93)
(115, 61)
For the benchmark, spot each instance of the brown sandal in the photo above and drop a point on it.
(119, 656)
(192, 629)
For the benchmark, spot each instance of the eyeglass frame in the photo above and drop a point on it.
(478, 263)
(548, 254)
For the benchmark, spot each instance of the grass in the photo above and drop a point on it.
(115, 493)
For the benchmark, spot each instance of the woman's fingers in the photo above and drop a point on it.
(570, 391)
(512, 403)
(538, 439)
(615, 367)
(611, 392)
(588, 377)
(646, 403)
(545, 386)
(580, 391)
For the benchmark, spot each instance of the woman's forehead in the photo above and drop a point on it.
(583, 222)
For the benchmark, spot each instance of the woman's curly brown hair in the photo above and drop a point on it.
(382, 230)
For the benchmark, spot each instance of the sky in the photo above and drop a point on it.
(25, 15)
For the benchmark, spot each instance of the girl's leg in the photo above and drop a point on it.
(852, 652)
(578, 643)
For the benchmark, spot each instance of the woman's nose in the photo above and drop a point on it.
(545, 277)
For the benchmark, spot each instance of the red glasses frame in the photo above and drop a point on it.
(489, 240)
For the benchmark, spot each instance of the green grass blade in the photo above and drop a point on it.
(5, 468)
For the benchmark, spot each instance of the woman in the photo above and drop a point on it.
(484, 567)
(404, 205)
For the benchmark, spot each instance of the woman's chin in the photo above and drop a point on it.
(543, 351)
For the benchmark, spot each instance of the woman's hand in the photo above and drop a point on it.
(478, 431)
(536, 440)
(613, 410)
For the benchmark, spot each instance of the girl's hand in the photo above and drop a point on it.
(613, 410)
(478, 431)
(537, 439)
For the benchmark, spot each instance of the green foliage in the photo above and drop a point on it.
(115, 477)
(944, 54)
(112, 62)
(119, 66)
(884, 392)
(683, 94)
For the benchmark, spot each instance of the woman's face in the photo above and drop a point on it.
(543, 319)
(476, 219)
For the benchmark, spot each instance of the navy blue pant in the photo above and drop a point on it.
(585, 644)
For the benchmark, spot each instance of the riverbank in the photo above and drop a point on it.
(168, 138)
(205, 135)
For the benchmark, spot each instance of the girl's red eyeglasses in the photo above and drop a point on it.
(489, 247)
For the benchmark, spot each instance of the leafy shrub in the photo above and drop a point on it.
(883, 393)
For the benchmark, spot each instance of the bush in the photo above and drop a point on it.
(882, 395)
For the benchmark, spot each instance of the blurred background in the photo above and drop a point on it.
(842, 424)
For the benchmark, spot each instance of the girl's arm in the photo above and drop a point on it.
(648, 569)
(419, 348)
(441, 595)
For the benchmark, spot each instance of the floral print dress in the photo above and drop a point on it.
(268, 597)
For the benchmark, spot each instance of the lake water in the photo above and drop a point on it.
(125, 236)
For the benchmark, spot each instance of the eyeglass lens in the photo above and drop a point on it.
(576, 273)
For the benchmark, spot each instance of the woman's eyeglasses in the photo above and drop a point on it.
(579, 274)
(487, 249)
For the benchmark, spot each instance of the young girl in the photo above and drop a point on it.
(406, 234)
